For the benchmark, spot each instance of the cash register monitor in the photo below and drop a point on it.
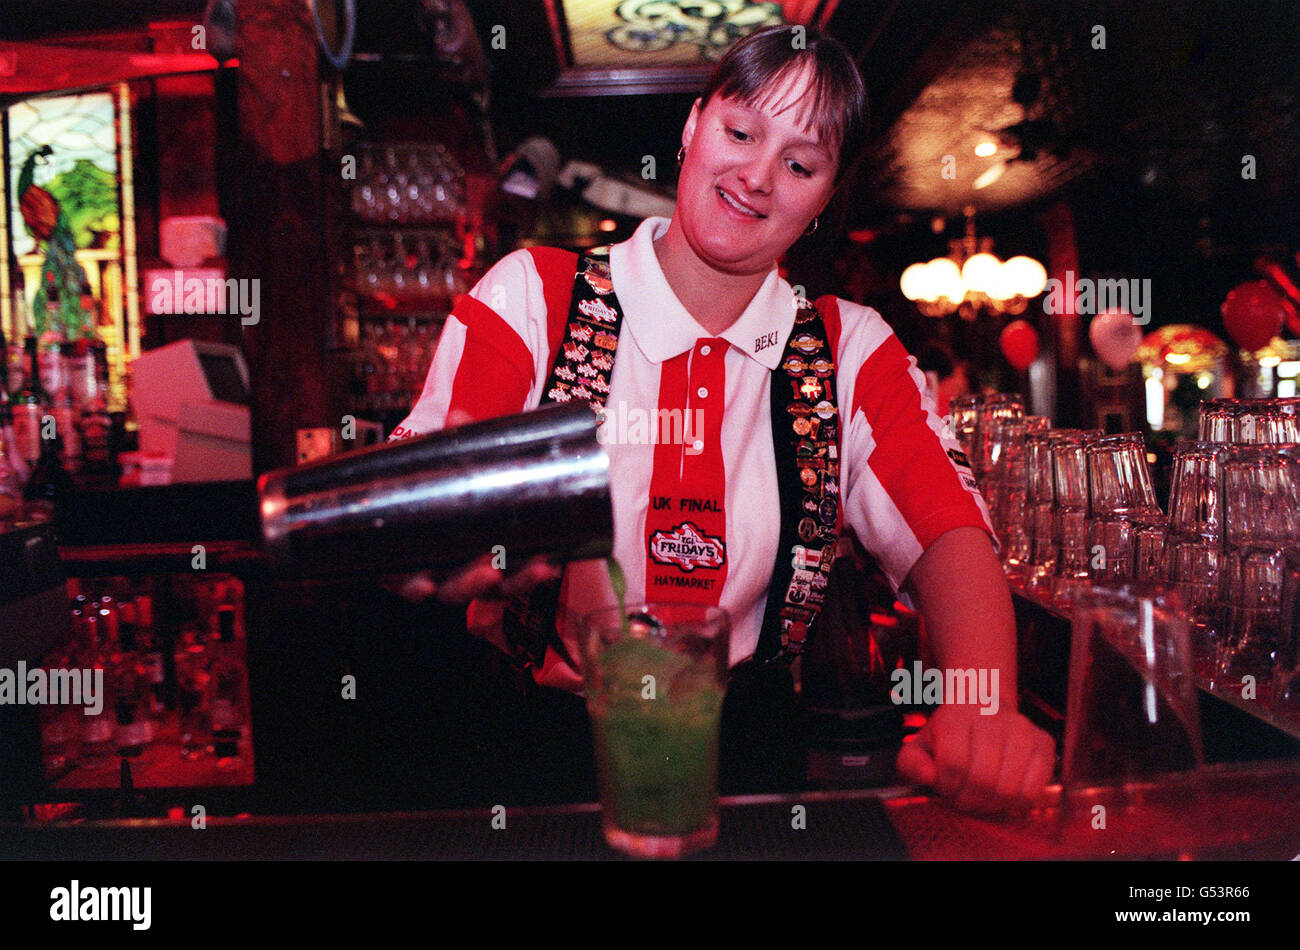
(227, 380)
(192, 402)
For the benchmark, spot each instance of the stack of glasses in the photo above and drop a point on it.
(1261, 486)
(1005, 486)
(1073, 508)
(1126, 527)
(1040, 501)
(1251, 421)
(1070, 506)
(1193, 555)
(1234, 528)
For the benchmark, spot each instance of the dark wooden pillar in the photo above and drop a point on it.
(279, 226)
(1063, 259)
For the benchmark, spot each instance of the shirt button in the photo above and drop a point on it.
(702, 393)
(704, 350)
(699, 445)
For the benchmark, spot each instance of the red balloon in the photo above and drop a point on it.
(1019, 343)
(1252, 314)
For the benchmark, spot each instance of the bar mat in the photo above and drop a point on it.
(826, 829)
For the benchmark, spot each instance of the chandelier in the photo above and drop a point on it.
(972, 277)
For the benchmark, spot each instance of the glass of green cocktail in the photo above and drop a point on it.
(655, 678)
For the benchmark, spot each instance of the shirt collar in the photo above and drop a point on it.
(663, 328)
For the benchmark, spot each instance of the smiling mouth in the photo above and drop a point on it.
(733, 203)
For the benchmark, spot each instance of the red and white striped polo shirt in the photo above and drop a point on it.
(900, 489)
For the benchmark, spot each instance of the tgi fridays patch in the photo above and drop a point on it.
(687, 547)
(598, 311)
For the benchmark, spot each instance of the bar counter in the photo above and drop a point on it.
(1242, 812)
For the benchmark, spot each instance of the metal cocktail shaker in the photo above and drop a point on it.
(533, 483)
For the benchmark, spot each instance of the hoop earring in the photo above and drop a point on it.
(681, 156)
(812, 228)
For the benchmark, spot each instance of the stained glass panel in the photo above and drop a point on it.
(65, 221)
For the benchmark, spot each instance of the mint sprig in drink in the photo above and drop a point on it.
(655, 684)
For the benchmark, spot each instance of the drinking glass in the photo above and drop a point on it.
(1112, 549)
(1151, 535)
(992, 410)
(1196, 490)
(1005, 490)
(1120, 493)
(1218, 420)
(1286, 667)
(1131, 708)
(1262, 495)
(655, 679)
(1039, 504)
(1252, 586)
(1119, 478)
(1070, 511)
(1193, 559)
(1194, 566)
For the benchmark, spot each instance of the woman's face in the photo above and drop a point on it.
(753, 177)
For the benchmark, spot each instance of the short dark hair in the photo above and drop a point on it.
(839, 98)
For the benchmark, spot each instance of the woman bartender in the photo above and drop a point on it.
(798, 422)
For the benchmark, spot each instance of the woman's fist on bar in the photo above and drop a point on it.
(991, 764)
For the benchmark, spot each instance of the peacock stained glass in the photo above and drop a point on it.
(63, 175)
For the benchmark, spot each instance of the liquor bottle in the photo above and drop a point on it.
(61, 723)
(29, 406)
(97, 746)
(19, 326)
(152, 667)
(49, 361)
(13, 468)
(50, 485)
(16, 462)
(65, 409)
(227, 687)
(11, 479)
(191, 657)
(129, 688)
(95, 425)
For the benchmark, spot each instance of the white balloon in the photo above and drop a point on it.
(1115, 338)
